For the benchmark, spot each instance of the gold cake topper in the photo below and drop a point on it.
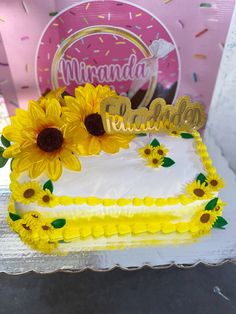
(119, 117)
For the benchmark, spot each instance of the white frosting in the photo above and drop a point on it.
(126, 175)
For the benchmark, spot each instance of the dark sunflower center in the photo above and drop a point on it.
(29, 193)
(94, 125)
(160, 151)
(214, 182)
(205, 218)
(147, 151)
(50, 139)
(46, 198)
(45, 227)
(155, 161)
(26, 227)
(199, 192)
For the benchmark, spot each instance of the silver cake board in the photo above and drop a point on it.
(215, 249)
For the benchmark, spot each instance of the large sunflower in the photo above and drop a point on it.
(42, 141)
(85, 108)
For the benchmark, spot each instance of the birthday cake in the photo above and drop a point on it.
(89, 173)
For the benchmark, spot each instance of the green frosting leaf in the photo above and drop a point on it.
(1, 150)
(48, 185)
(58, 223)
(202, 178)
(212, 204)
(155, 143)
(3, 161)
(141, 134)
(14, 217)
(5, 142)
(168, 162)
(220, 223)
(186, 135)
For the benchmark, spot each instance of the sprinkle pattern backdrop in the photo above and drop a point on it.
(196, 29)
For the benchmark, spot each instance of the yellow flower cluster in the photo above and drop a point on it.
(31, 192)
(153, 154)
(35, 231)
(55, 130)
(204, 190)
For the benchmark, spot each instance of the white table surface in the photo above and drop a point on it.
(215, 249)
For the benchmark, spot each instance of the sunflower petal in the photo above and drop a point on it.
(37, 169)
(54, 169)
(53, 108)
(70, 161)
(109, 146)
(10, 133)
(36, 112)
(11, 151)
(21, 163)
(94, 147)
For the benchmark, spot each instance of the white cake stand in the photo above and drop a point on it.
(219, 247)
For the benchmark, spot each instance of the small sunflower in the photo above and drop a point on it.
(161, 150)
(199, 191)
(219, 207)
(155, 160)
(146, 151)
(85, 109)
(23, 228)
(32, 219)
(44, 230)
(204, 220)
(26, 193)
(42, 141)
(215, 183)
(46, 199)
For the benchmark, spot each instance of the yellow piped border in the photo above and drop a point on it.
(183, 199)
(82, 228)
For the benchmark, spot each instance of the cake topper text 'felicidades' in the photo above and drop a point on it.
(119, 117)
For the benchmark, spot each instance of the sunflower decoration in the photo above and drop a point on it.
(36, 231)
(42, 141)
(214, 182)
(155, 154)
(146, 151)
(47, 199)
(155, 160)
(203, 221)
(26, 193)
(198, 190)
(85, 109)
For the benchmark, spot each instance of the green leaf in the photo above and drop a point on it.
(155, 143)
(212, 204)
(220, 223)
(48, 185)
(168, 162)
(141, 134)
(3, 161)
(14, 217)
(5, 142)
(1, 150)
(202, 178)
(186, 135)
(58, 223)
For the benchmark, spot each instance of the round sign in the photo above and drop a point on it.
(108, 42)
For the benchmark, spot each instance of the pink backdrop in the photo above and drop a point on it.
(22, 24)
